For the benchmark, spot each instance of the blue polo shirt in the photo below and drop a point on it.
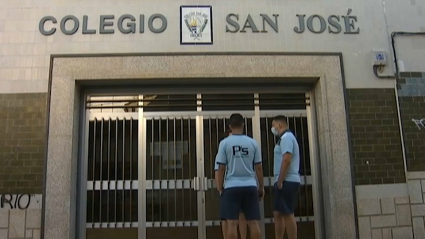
(287, 144)
(239, 153)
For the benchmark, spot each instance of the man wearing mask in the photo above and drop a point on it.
(236, 156)
(287, 178)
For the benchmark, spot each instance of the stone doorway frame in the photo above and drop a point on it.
(327, 96)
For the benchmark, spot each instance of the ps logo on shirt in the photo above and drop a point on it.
(240, 149)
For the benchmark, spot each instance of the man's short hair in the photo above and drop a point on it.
(281, 118)
(236, 120)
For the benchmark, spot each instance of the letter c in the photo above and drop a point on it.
(41, 25)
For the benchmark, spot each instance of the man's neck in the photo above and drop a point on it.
(283, 131)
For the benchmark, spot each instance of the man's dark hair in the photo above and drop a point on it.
(281, 118)
(236, 120)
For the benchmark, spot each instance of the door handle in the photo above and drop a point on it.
(196, 184)
(205, 184)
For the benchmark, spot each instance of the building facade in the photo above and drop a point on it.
(111, 114)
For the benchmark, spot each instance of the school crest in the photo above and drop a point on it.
(196, 25)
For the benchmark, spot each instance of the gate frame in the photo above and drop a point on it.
(69, 74)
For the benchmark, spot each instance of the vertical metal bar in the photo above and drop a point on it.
(190, 165)
(182, 142)
(109, 161)
(304, 166)
(246, 126)
(131, 169)
(315, 167)
(168, 176)
(217, 133)
(200, 169)
(123, 171)
(116, 172)
(94, 168)
(142, 172)
(294, 120)
(175, 171)
(152, 141)
(101, 170)
(217, 126)
(270, 159)
(256, 133)
(160, 170)
(210, 137)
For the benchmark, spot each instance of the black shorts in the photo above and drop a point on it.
(240, 199)
(286, 198)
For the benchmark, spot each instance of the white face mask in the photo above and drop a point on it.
(274, 131)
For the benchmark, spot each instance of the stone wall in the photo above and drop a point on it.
(388, 218)
(384, 212)
(416, 183)
(411, 91)
(22, 142)
(20, 224)
(375, 137)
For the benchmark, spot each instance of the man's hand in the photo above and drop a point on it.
(261, 193)
(279, 185)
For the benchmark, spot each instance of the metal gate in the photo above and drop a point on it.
(149, 163)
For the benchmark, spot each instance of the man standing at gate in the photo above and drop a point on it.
(242, 221)
(239, 158)
(287, 178)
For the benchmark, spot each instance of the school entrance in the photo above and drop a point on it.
(147, 168)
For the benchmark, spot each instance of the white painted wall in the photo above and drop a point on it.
(24, 52)
(408, 16)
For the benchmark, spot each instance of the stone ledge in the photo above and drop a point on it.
(4, 218)
(4, 233)
(415, 191)
(418, 228)
(383, 221)
(418, 210)
(415, 175)
(387, 205)
(398, 190)
(368, 207)
(404, 217)
(402, 233)
(402, 200)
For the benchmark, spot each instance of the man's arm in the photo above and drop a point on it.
(258, 167)
(286, 161)
(287, 147)
(221, 162)
(259, 173)
(219, 177)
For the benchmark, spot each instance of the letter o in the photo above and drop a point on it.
(164, 23)
(28, 204)
(74, 29)
(322, 24)
(41, 26)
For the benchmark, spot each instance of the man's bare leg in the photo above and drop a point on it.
(291, 226)
(242, 226)
(232, 229)
(279, 225)
(224, 229)
(254, 229)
